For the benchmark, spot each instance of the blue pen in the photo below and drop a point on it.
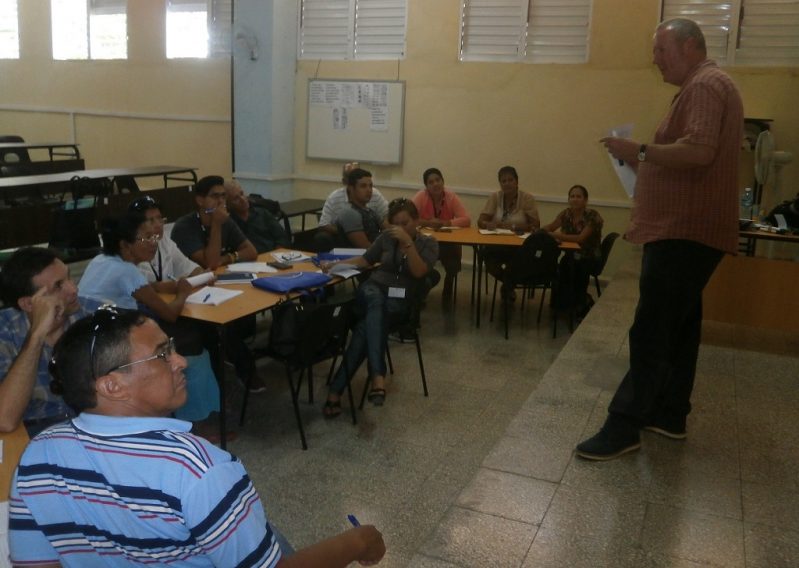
(207, 297)
(353, 520)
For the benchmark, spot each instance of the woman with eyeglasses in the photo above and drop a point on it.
(509, 208)
(169, 263)
(405, 257)
(114, 277)
(439, 207)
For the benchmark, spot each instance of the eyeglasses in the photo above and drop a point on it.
(152, 239)
(142, 204)
(102, 319)
(164, 355)
(156, 220)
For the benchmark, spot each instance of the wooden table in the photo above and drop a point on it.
(479, 242)
(251, 301)
(13, 445)
(753, 235)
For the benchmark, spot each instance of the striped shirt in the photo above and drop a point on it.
(701, 203)
(118, 491)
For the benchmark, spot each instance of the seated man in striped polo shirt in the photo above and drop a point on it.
(122, 484)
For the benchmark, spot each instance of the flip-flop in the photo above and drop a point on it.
(377, 396)
(331, 409)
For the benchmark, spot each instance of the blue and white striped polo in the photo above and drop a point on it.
(116, 491)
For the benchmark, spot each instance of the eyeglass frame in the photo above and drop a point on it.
(143, 203)
(152, 239)
(113, 312)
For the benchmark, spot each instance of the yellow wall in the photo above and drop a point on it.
(153, 110)
(466, 118)
(471, 118)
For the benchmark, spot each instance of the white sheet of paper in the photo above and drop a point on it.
(200, 279)
(344, 270)
(290, 256)
(626, 174)
(348, 251)
(212, 296)
(250, 267)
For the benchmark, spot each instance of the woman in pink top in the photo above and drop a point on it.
(439, 207)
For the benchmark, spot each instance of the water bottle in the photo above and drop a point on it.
(747, 200)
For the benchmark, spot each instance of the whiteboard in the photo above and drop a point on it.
(352, 120)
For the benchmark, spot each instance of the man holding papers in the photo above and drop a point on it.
(685, 215)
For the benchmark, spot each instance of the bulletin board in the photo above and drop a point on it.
(351, 120)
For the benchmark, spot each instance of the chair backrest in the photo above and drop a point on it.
(16, 154)
(306, 333)
(536, 261)
(606, 247)
(273, 207)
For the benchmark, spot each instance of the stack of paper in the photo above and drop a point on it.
(250, 267)
(290, 256)
(496, 232)
(211, 296)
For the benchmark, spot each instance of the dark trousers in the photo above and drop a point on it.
(665, 335)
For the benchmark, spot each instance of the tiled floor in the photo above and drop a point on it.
(482, 473)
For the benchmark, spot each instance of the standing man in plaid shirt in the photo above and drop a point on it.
(685, 216)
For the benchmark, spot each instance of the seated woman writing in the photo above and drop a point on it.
(113, 277)
(405, 257)
(578, 224)
(439, 207)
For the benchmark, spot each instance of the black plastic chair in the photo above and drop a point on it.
(319, 333)
(406, 328)
(605, 247)
(534, 265)
(14, 155)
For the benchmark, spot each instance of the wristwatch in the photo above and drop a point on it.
(642, 153)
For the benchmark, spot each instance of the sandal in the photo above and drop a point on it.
(377, 396)
(331, 409)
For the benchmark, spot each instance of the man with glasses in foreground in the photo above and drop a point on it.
(41, 301)
(141, 488)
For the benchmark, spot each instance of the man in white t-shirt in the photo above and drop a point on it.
(337, 202)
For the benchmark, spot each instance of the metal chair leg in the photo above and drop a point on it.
(294, 396)
(388, 359)
(421, 364)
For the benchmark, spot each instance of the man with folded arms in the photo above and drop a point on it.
(124, 484)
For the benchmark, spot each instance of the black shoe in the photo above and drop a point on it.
(672, 429)
(609, 443)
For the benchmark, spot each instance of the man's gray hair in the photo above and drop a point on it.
(684, 29)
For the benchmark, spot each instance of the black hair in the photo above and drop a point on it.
(71, 369)
(205, 184)
(430, 171)
(507, 170)
(116, 230)
(581, 188)
(355, 175)
(399, 205)
(16, 279)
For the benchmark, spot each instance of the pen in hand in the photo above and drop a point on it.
(353, 520)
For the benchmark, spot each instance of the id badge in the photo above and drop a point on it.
(396, 292)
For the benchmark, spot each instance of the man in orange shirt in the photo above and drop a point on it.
(685, 216)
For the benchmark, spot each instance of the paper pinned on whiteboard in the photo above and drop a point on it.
(624, 171)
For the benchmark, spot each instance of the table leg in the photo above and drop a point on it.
(474, 273)
(479, 280)
(220, 377)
